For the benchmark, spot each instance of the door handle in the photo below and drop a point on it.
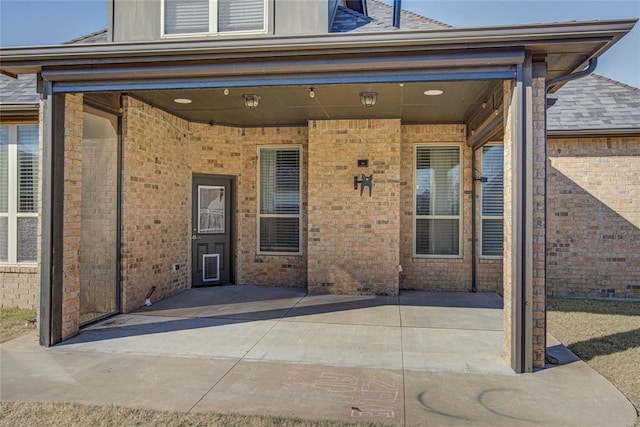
(194, 237)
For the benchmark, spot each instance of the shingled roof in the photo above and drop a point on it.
(18, 91)
(595, 103)
(379, 19)
(93, 38)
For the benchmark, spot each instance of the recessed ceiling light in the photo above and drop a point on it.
(433, 92)
(182, 101)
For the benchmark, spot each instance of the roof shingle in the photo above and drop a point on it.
(18, 91)
(381, 19)
(595, 103)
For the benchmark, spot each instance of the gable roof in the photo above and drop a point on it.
(381, 19)
(595, 103)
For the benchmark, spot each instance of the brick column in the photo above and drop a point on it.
(539, 177)
(73, 128)
(354, 241)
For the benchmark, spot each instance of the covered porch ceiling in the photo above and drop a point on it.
(296, 104)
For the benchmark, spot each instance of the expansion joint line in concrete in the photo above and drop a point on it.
(242, 358)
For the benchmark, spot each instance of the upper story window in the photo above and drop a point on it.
(19, 164)
(213, 16)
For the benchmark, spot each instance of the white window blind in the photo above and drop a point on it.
(280, 200)
(186, 16)
(27, 169)
(492, 200)
(240, 15)
(212, 16)
(437, 225)
(4, 193)
(4, 169)
(19, 163)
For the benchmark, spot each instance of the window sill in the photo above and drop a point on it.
(19, 268)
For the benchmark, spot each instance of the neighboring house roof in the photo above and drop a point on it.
(96, 37)
(595, 103)
(381, 19)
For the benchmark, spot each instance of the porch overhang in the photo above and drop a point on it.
(565, 47)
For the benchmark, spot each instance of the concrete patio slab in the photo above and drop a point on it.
(33, 373)
(454, 350)
(347, 310)
(305, 360)
(229, 302)
(172, 336)
(331, 345)
(309, 391)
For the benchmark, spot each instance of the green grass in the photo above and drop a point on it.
(605, 334)
(13, 323)
(72, 415)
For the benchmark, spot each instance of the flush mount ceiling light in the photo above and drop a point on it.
(182, 101)
(368, 99)
(251, 101)
(433, 92)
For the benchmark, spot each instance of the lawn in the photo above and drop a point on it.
(605, 334)
(15, 322)
(74, 415)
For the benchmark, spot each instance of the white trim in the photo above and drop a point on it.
(213, 23)
(416, 217)
(204, 267)
(297, 147)
(483, 217)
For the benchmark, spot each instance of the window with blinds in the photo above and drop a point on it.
(492, 201)
(19, 163)
(213, 16)
(279, 200)
(437, 201)
(4, 193)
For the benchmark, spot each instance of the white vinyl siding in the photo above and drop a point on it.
(19, 163)
(437, 201)
(279, 200)
(492, 201)
(213, 16)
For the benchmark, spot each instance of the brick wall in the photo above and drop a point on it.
(437, 274)
(593, 246)
(232, 151)
(156, 203)
(353, 241)
(19, 287)
(73, 130)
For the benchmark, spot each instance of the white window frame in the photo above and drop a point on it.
(12, 208)
(482, 216)
(416, 217)
(259, 215)
(213, 23)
